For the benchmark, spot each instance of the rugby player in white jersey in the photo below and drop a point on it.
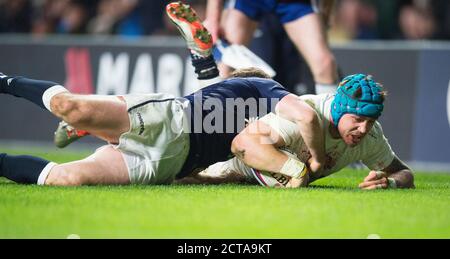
(351, 131)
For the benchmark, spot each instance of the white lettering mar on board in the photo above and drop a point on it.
(170, 73)
(143, 77)
(113, 75)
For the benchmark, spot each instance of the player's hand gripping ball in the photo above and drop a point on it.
(277, 180)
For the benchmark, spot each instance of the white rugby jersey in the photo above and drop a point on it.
(374, 150)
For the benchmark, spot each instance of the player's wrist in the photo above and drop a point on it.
(294, 168)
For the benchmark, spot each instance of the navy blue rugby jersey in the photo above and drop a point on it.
(219, 112)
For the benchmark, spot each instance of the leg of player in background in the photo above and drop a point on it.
(308, 34)
(238, 29)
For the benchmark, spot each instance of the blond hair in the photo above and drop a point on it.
(250, 72)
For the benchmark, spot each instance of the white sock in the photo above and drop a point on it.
(45, 172)
(50, 93)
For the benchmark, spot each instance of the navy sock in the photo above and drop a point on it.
(30, 89)
(205, 68)
(22, 169)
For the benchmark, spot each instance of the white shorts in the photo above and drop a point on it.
(156, 146)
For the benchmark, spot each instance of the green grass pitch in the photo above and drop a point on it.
(332, 208)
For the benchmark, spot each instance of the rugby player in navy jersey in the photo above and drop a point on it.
(156, 138)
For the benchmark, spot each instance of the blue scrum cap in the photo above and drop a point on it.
(357, 94)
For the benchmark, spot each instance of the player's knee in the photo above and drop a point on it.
(59, 104)
(73, 111)
(62, 105)
(325, 64)
(60, 176)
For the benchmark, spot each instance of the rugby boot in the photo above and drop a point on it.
(66, 134)
(191, 28)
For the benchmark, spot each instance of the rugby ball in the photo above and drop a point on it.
(270, 179)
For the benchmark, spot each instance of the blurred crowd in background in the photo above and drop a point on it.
(351, 20)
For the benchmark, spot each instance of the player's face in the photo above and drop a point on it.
(353, 128)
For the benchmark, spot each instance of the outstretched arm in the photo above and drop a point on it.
(296, 110)
(396, 175)
(257, 146)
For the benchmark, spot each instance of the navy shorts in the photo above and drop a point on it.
(285, 10)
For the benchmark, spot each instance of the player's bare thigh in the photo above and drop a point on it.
(105, 167)
(103, 116)
(309, 36)
(307, 32)
(238, 28)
